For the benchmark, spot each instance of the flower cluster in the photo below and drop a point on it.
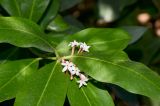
(72, 68)
(83, 46)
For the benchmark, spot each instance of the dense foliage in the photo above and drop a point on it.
(37, 37)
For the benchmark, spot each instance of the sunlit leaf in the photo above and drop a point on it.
(12, 75)
(46, 87)
(23, 33)
(132, 76)
(88, 96)
(100, 40)
(58, 24)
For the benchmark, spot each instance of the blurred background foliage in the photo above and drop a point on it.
(141, 18)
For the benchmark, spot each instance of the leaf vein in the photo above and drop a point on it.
(32, 7)
(31, 34)
(121, 67)
(18, 73)
(18, 9)
(46, 85)
(85, 95)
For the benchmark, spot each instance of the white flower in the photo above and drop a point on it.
(73, 44)
(67, 65)
(84, 47)
(82, 81)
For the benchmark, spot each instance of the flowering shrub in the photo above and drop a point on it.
(61, 62)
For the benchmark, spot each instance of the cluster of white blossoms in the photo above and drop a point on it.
(83, 46)
(72, 68)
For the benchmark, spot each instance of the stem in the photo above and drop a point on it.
(79, 51)
(67, 57)
(71, 77)
(39, 58)
(51, 58)
(73, 49)
(56, 53)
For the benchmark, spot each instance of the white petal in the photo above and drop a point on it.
(74, 43)
(80, 85)
(77, 73)
(82, 77)
(79, 81)
(67, 62)
(71, 68)
(63, 64)
(69, 44)
(84, 83)
(64, 69)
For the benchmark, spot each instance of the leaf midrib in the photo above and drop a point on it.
(46, 85)
(32, 8)
(18, 73)
(31, 34)
(84, 94)
(18, 9)
(121, 67)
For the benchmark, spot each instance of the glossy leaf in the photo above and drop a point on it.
(46, 87)
(31, 9)
(88, 96)
(132, 76)
(12, 75)
(136, 32)
(58, 24)
(23, 33)
(100, 40)
(75, 24)
(51, 13)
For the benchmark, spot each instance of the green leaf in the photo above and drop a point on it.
(100, 40)
(58, 24)
(50, 13)
(132, 76)
(23, 33)
(65, 4)
(12, 75)
(46, 87)
(74, 24)
(88, 96)
(31, 9)
(56, 37)
(135, 31)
